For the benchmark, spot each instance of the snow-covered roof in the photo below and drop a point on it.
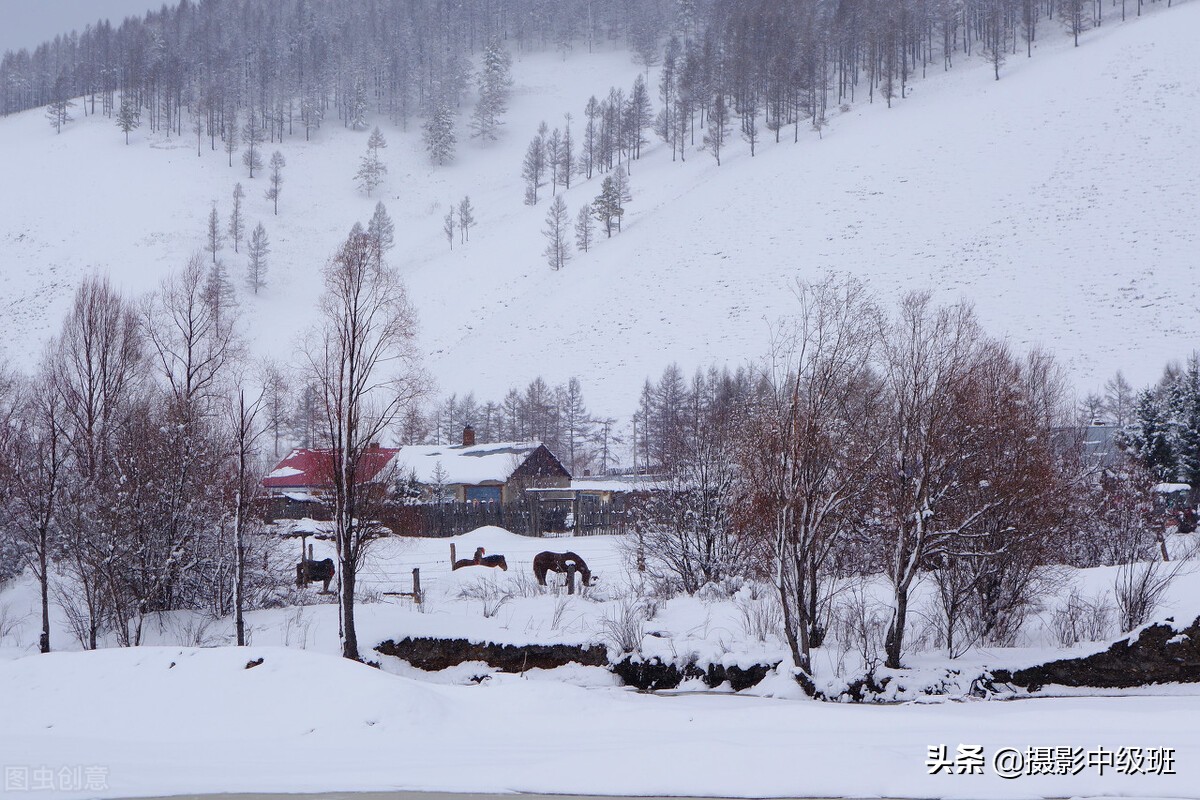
(475, 464)
(616, 483)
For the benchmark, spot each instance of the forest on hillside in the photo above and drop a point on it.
(292, 65)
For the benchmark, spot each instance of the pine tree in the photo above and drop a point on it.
(128, 117)
(231, 134)
(382, 229)
(640, 115)
(532, 169)
(553, 158)
(58, 109)
(718, 127)
(621, 181)
(218, 293)
(558, 246)
(495, 81)
(439, 135)
(370, 171)
(376, 142)
(466, 218)
(584, 228)
(236, 220)
(591, 135)
(566, 154)
(252, 137)
(607, 206)
(448, 226)
(215, 239)
(258, 250)
(277, 165)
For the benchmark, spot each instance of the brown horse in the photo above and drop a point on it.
(560, 562)
(480, 560)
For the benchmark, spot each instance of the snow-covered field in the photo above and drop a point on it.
(172, 717)
(1060, 200)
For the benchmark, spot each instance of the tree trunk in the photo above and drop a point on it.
(894, 643)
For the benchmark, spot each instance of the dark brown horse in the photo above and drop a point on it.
(480, 560)
(560, 562)
(309, 571)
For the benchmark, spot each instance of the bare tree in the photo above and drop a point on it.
(813, 446)
(365, 364)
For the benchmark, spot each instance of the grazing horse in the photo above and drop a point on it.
(559, 562)
(308, 571)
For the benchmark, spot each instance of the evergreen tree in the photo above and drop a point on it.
(591, 135)
(273, 190)
(448, 226)
(566, 165)
(439, 135)
(128, 117)
(466, 218)
(231, 134)
(621, 181)
(236, 220)
(252, 137)
(258, 250)
(718, 127)
(215, 239)
(495, 82)
(382, 229)
(370, 171)
(558, 245)
(532, 169)
(553, 158)
(584, 228)
(57, 111)
(639, 115)
(607, 206)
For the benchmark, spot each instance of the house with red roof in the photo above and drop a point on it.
(497, 472)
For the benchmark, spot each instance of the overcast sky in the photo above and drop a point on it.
(27, 23)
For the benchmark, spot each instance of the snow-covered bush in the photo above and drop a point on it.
(759, 612)
(624, 625)
(1081, 619)
(490, 594)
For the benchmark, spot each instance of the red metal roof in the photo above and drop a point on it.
(304, 468)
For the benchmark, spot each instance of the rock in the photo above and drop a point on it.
(1158, 653)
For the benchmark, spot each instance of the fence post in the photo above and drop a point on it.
(417, 585)
(570, 579)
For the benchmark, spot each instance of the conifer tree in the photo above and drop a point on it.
(252, 137)
(607, 206)
(532, 169)
(215, 238)
(236, 220)
(718, 127)
(466, 218)
(382, 230)
(273, 190)
(495, 81)
(558, 245)
(128, 117)
(584, 228)
(440, 140)
(258, 250)
(448, 226)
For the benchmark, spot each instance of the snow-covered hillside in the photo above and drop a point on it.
(1061, 200)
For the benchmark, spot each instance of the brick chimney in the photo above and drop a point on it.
(468, 437)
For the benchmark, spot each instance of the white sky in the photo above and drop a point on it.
(27, 23)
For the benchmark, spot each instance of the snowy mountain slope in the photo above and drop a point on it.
(1060, 200)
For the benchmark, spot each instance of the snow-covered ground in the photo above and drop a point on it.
(162, 720)
(184, 714)
(1059, 199)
